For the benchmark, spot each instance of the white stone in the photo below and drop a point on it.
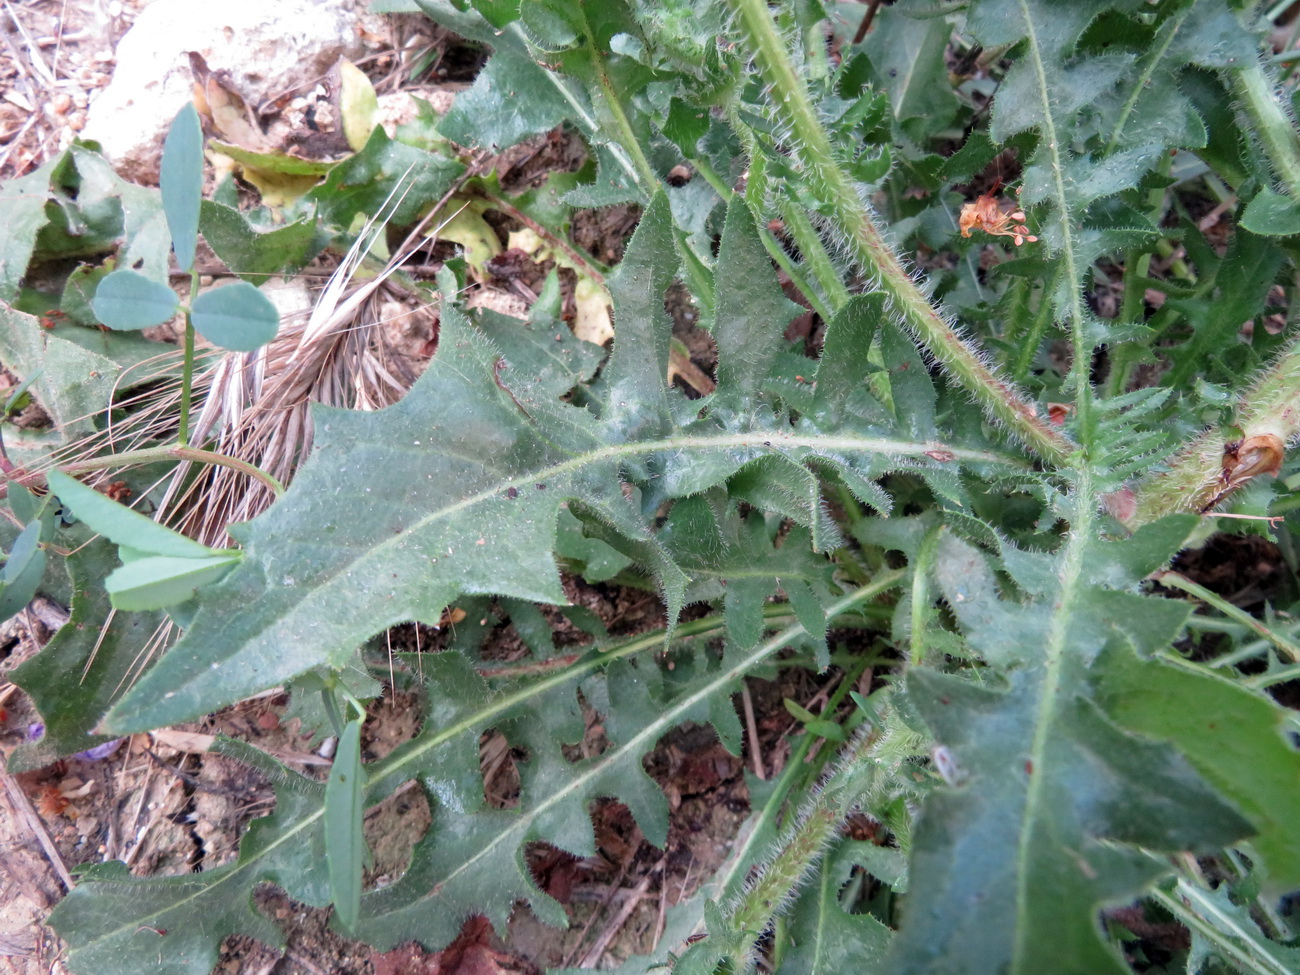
(260, 49)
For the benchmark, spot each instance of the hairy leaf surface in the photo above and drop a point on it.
(457, 490)
(1046, 797)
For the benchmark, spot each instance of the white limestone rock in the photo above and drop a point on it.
(260, 49)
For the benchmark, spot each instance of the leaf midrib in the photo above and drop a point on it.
(774, 440)
(1045, 716)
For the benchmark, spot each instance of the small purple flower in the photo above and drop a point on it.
(36, 730)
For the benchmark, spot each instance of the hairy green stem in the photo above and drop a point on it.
(1081, 361)
(803, 846)
(1191, 907)
(770, 244)
(1194, 478)
(1257, 94)
(151, 455)
(187, 366)
(1179, 581)
(832, 184)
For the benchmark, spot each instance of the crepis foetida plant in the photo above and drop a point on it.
(1048, 254)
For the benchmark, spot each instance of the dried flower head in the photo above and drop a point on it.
(1000, 219)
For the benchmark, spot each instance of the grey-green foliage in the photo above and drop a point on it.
(1036, 767)
(457, 490)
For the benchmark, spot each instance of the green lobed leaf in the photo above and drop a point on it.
(119, 924)
(137, 211)
(907, 56)
(456, 490)
(1046, 797)
(253, 253)
(128, 300)
(181, 183)
(23, 200)
(1235, 738)
(513, 97)
(749, 308)
(824, 938)
(73, 384)
(1271, 214)
(86, 665)
(236, 317)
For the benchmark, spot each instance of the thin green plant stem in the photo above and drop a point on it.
(397, 761)
(1030, 342)
(802, 847)
(795, 778)
(1081, 361)
(152, 455)
(1261, 681)
(1179, 581)
(1257, 94)
(832, 184)
(187, 366)
(1195, 910)
(770, 244)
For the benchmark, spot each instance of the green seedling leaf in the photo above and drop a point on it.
(127, 300)
(345, 846)
(120, 524)
(236, 317)
(18, 398)
(181, 182)
(359, 105)
(160, 581)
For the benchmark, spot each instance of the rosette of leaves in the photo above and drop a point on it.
(479, 458)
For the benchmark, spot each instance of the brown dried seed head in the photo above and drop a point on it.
(1248, 458)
